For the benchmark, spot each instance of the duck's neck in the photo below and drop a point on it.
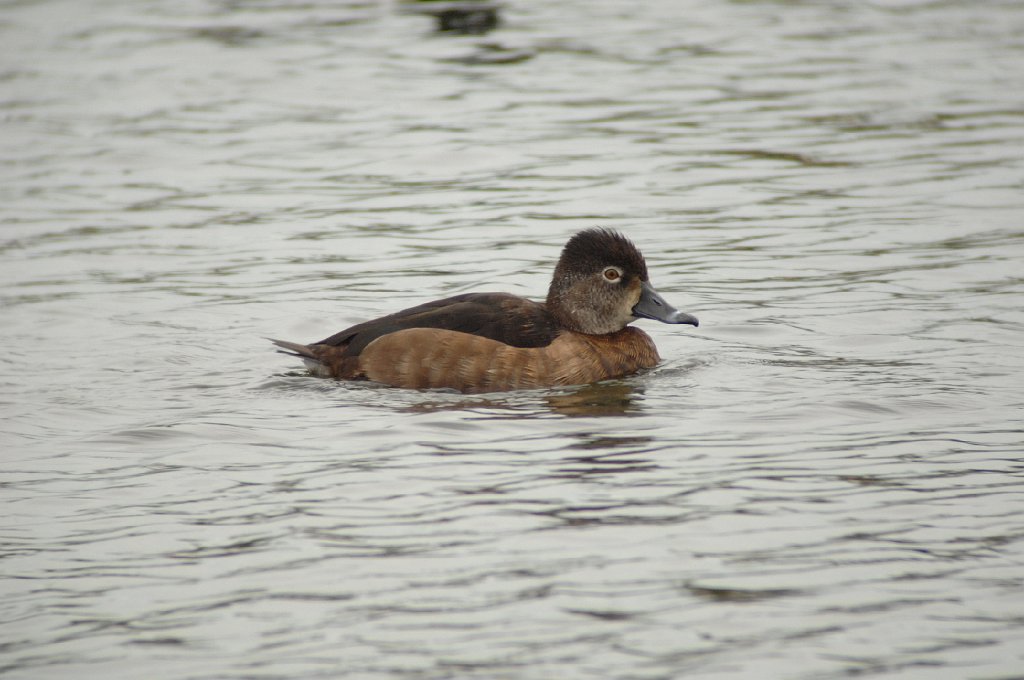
(573, 308)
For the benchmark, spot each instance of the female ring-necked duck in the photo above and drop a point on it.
(488, 342)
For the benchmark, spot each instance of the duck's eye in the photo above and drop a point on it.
(612, 274)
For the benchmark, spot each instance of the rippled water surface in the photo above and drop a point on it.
(824, 480)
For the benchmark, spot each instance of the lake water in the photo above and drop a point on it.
(824, 480)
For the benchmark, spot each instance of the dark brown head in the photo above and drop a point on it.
(600, 285)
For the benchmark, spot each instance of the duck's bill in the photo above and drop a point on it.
(653, 306)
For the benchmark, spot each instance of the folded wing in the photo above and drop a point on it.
(508, 319)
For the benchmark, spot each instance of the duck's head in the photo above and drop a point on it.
(600, 285)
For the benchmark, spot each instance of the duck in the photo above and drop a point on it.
(497, 342)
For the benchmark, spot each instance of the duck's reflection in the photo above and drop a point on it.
(599, 399)
(604, 399)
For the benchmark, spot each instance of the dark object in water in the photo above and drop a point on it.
(458, 16)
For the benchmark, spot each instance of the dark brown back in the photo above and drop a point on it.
(508, 319)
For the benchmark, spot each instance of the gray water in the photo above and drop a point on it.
(824, 480)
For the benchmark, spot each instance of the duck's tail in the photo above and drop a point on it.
(293, 349)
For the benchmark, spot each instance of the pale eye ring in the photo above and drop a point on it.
(612, 274)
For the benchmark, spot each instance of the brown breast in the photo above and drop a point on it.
(430, 357)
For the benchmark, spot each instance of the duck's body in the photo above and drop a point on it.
(486, 342)
(478, 342)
